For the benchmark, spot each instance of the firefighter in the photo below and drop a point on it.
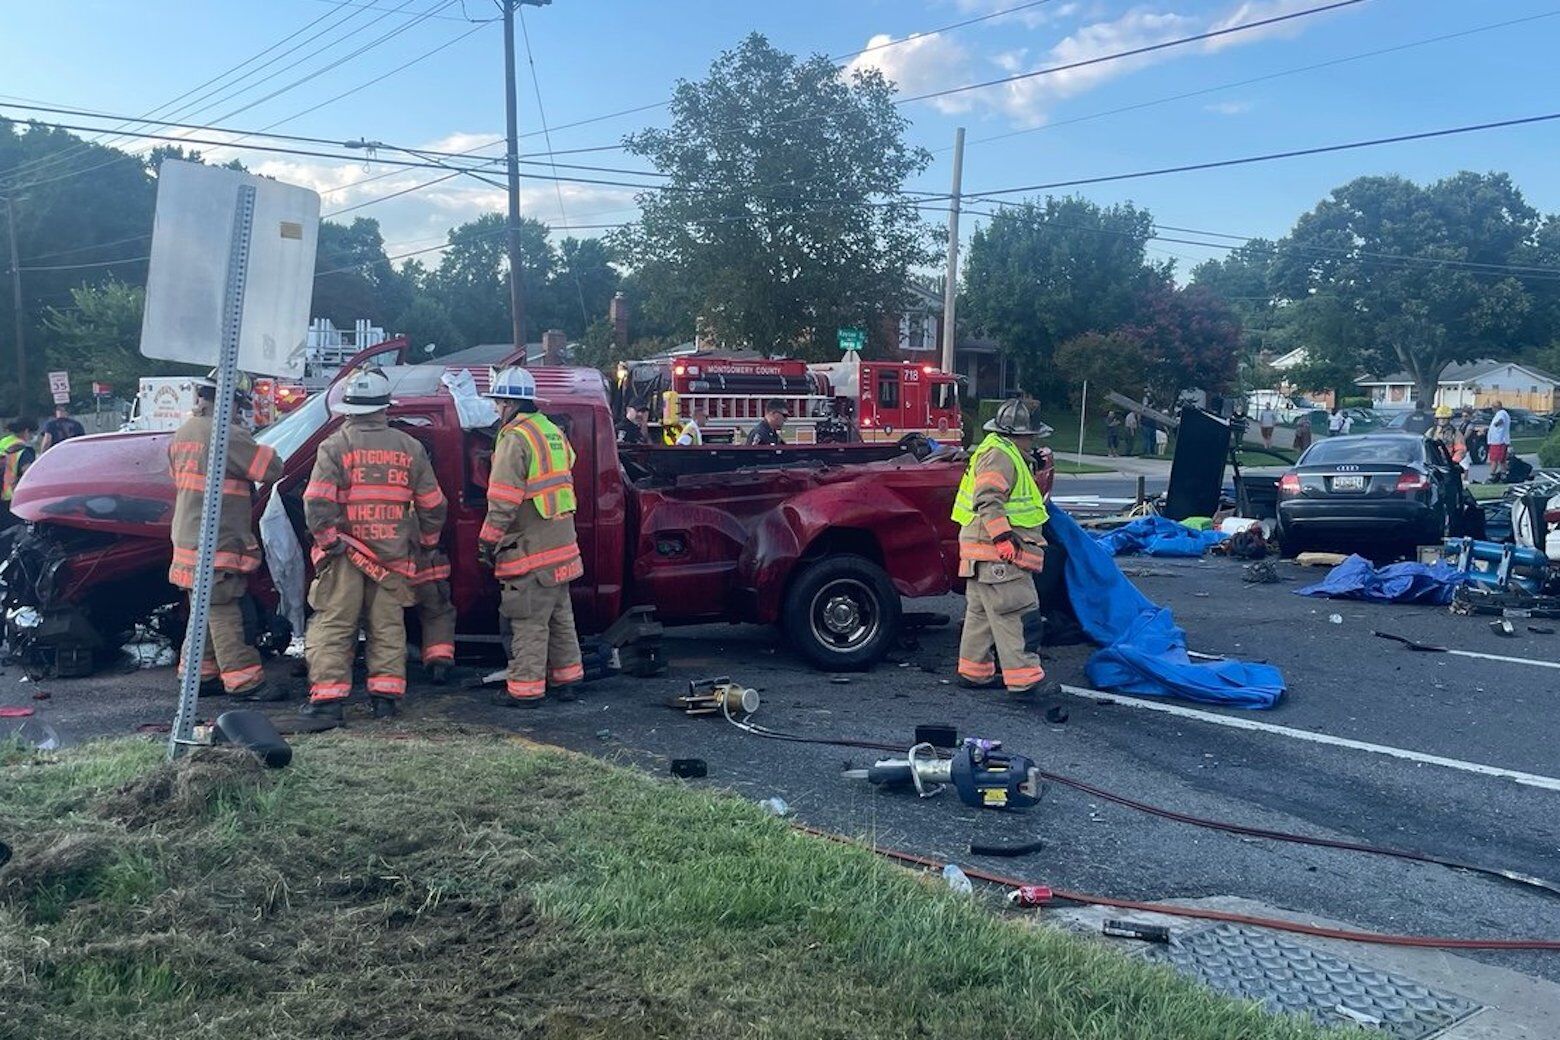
(528, 539)
(1001, 510)
(435, 614)
(16, 454)
(229, 662)
(372, 504)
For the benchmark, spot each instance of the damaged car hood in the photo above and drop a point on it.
(111, 482)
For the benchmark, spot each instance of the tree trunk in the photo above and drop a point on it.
(1426, 372)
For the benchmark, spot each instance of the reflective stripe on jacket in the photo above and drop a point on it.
(530, 503)
(15, 460)
(238, 549)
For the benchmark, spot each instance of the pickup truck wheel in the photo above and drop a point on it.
(842, 613)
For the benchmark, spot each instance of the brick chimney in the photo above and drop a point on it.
(553, 342)
(618, 314)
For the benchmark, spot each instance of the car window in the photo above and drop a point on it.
(1389, 451)
(888, 390)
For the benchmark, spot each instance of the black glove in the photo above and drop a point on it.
(487, 554)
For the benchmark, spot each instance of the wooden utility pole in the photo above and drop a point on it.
(512, 158)
(24, 394)
(951, 279)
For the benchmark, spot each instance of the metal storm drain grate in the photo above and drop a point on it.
(1286, 977)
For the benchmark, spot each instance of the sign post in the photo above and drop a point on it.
(59, 386)
(852, 339)
(232, 265)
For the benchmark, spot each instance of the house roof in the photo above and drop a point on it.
(1463, 372)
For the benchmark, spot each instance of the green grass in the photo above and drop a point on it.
(1526, 445)
(473, 887)
(1484, 492)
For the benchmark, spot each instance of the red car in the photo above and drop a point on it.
(822, 541)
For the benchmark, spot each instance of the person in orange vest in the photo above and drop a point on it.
(372, 504)
(229, 663)
(528, 539)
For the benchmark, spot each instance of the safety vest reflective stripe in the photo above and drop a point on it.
(505, 492)
(1025, 507)
(13, 469)
(224, 560)
(427, 574)
(524, 565)
(323, 491)
(548, 480)
(261, 462)
(378, 493)
(189, 480)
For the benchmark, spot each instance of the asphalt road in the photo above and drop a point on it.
(1342, 682)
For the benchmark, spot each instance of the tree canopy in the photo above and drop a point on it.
(782, 217)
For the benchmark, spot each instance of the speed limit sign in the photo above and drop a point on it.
(59, 386)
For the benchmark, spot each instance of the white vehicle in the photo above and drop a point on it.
(161, 403)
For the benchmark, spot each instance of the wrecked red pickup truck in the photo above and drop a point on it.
(822, 541)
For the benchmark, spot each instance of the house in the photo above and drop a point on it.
(1473, 384)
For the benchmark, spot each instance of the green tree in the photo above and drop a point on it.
(98, 338)
(582, 284)
(353, 277)
(472, 279)
(1040, 274)
(426, 321)
(1341, 261)
(1106, 362)
(782, 216)
(1189, 339)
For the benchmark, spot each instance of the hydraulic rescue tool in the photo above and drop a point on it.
(981, 774)
(716, 696)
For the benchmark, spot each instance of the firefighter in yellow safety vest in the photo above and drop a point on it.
(528, 539)
(1001, 510)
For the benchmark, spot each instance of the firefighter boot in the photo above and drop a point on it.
(438, 672)
(326, 711)
(384, 707)
(503, 699)
(266, 693)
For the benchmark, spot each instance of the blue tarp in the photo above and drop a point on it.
(1358, 578)
(1157, 536)
(1141, 649)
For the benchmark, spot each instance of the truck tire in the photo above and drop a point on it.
(842, 613)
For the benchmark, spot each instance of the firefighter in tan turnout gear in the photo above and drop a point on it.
(1001, 510)
(372, 505)
(229, 663)
(528, 539)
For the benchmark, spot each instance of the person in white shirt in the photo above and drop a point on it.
(1499, 440)
(693, 431)
(1266, 420)
(1336, 422)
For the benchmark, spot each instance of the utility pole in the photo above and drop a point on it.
(24, 396)
(951, 283)
(516, 271)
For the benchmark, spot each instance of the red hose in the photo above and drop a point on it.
(1274, 923)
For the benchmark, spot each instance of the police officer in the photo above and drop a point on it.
(528, 539)
(229, 662)
(372, 505)
(1000, 509)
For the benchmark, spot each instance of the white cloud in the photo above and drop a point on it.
(1228, 108)
(920, 65)
(930, 63)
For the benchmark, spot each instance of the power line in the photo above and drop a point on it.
(1135, 51)
(1268, 157)
(836, 58)
(374, 7)
(1259, 79)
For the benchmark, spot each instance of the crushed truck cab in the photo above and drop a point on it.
(822, 541)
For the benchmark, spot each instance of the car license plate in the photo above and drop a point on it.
(1348, 483)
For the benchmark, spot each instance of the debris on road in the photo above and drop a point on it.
(777, 806)
(1503, 627)
(957, 879)
(715, 696)
(1031, 896)
(690, 768)
(1358, 578)
(1320, 559)
(1154, 933)
(1158, 536)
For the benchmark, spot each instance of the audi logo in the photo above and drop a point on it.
(1347, 468)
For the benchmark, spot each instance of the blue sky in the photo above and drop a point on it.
(599, 56)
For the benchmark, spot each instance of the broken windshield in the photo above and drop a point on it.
(289, 433)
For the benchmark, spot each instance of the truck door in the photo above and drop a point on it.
(912, 412)
(888, 398)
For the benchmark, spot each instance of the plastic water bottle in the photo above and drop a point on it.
(957, 879)
(776, 805)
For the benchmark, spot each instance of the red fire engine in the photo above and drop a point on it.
(871, 401)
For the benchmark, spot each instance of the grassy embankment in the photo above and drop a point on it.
(475, 887)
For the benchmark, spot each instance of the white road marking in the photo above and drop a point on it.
(1547, 783)
(1507, 660)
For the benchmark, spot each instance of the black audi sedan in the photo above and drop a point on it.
(1382, 489)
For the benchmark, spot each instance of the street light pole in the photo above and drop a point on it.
(951, 278)
(24, 397)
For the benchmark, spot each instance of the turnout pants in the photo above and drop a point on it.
(345, 599)
(995, 614)
(436, 614)
(228, 656)
(543, 647)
